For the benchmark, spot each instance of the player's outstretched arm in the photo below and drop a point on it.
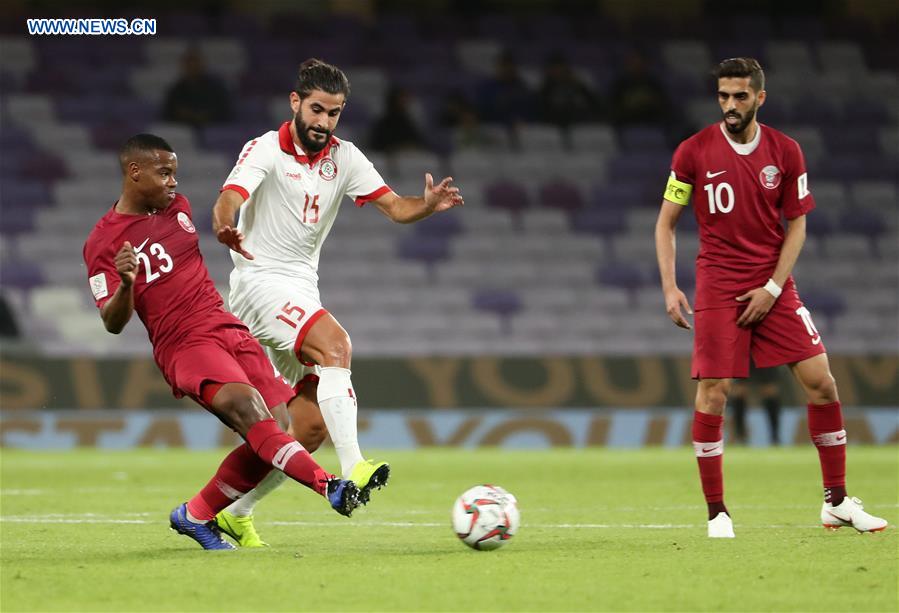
(408, 209)
(675, 300)
(117, 311)
(224, 214)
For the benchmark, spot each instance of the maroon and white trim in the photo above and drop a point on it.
(301, 335)
(237, 188)
(361, 200)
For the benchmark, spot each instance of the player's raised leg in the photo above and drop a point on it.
(825, 424)
(308, 427)
(328, 345)
(241, 407)
(708, 442)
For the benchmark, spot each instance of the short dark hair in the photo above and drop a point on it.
(740, 68)
(316, 74)
(141, 143)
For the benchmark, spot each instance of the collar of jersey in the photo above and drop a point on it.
(287, 146)
(741, 148)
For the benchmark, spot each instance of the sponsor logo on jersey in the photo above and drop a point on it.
(294, 175)
(770, 177)
(185, 222)
(327, 170)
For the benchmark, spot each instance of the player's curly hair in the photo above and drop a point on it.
(740, 68)
(316, 74)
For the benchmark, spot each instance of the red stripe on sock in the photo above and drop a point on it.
(279, 449)
(238, 473)
(823, 419)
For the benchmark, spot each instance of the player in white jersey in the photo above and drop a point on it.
(288, 185)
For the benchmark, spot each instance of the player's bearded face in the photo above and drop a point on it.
(736, 122)
(312, 138)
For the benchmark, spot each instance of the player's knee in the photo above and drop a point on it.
(822, 389)
(245, 410)
(339, 352)
(282, 416)
(312, 435)
(713, 396)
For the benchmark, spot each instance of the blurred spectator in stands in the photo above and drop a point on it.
(397, 129)
(764, 380)
(637, 96)
(505, 97)
(460, 116)
(8, 326)
(198, 97)
(563, 98)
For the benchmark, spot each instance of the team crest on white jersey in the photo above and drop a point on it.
(770, 177)
(327, 170)
(185, 222)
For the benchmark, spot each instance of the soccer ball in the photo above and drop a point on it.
(486, 517)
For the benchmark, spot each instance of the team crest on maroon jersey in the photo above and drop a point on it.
(327, 170)
(770, 177)
(185, 222)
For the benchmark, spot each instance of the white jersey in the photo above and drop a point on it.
(292, 200)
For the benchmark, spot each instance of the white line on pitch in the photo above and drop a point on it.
(92, 519)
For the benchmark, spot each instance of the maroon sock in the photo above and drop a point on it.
(825, 425)
(708, 444)
(282, 451)
(239, 472)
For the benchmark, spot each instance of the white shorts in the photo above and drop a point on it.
(279, 312)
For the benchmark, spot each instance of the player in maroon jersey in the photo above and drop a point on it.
(745, 176)
(143, 255)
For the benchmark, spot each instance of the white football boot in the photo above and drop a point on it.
(721, 527)
(850, 512)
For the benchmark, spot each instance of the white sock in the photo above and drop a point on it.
(243, 506)
(337, 402)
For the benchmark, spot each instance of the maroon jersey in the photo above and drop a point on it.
(173, 294)
(740, 195)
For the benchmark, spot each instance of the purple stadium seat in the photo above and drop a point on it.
(501, 302)
(425, 248)
(508, 195)
(20, 274)
(818, 223)
(643, 139)
(16, 217)
(866, 221)
(620, 194)
(228, 139)
(637, 167)
(561, 195)
(25, 193)
(823, 302)
(600, 220)
(621, 275)
(444, 225)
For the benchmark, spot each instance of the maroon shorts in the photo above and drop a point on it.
(721, 348)
(230, 355)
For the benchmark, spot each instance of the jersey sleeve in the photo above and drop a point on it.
(364, 183)
(253, 165)
(797, 199)
(103, 278)
(682, 179)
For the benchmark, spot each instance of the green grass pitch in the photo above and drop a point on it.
(601, 530)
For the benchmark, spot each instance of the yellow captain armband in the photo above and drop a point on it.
(678, 191)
